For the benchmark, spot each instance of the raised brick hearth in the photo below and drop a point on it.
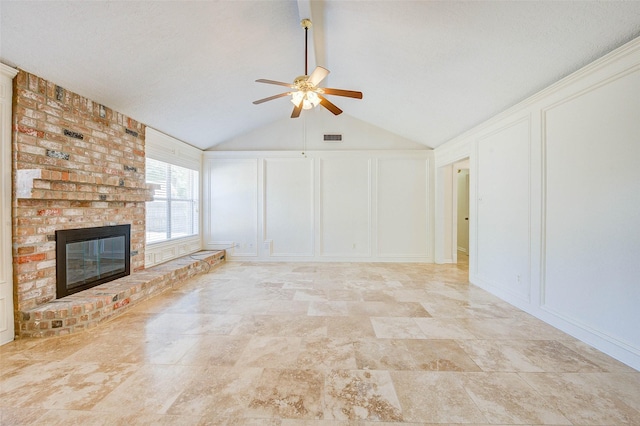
(85, 310)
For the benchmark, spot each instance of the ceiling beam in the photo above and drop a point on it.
(313, 10)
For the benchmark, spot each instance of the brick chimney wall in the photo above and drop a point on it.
(86, 168)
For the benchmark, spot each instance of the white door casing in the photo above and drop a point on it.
(6, 269)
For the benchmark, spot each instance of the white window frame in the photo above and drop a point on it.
(162, 147)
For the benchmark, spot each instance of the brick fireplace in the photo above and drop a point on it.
(76, 164)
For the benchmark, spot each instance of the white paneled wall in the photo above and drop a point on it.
(288, 206)
(555, 203)
(592, 217)
(231, 200)
(345, 207)
(503, 208)
(327, 206)
(402, 207)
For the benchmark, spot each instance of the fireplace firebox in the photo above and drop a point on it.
(88, 257)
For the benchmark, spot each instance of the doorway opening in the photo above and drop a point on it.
(461, 213)
(453, 216)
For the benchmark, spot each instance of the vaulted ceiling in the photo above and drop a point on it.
(429, 70)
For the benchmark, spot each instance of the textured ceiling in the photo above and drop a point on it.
(429, 70)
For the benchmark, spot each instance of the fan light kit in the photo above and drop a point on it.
(307, 94)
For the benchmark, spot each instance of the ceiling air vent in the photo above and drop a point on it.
(332, 138)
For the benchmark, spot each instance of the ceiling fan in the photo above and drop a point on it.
(306, 93)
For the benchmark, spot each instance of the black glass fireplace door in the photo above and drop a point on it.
(89, 261)
(89, 257)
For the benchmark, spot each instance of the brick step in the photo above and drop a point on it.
(88, 308)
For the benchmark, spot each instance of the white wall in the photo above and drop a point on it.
(321, 206)
(306, 134)
(555, 203)
(444, 215)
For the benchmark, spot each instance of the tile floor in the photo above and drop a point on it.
(318, 344)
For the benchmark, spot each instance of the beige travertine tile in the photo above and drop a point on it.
(383, 354)
(342, 294)
(288, 307)
(288, 393)
(214, 324)
(62, 385)
(504, 398)
(439, 328)
(250, 307)
(357, 394)
(151, 348)
(324, 353)
(442, 304)
(215, 351)
(352, 327)
(218, 393)
(435, 397)
(289, 422)
(589, 398)
(625, 386)
(328, 309)
(95, 418)
(499, 355)
(321, 344)
(407, 309)
(20, 416)
(527, 355)
(603, 360)
(440, 355)
(55, 348)
(368, 308)
(270, 352)
(311, 295)
(396, 328)
(522, 328)
(281, 325)
(377, 295)
(237, 421)
(151, 389)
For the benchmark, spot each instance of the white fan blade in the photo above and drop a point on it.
(317, 76)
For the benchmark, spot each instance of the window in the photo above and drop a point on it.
(173, 213)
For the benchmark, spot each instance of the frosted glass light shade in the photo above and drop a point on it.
(309, 99)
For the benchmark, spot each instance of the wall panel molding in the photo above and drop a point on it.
(583, 122)
(232, 204)
(514, 279)
(289, 219)
(544, 118)
(337, 208)
(344, 219)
